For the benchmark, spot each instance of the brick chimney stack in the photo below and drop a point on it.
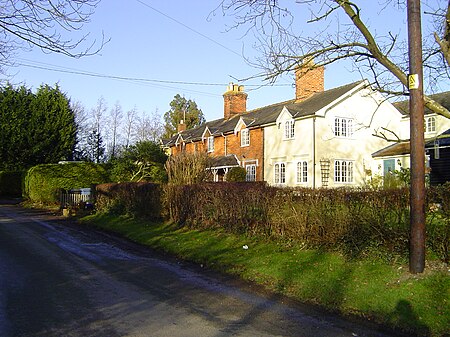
(309, 79)
(234, 101)
(181, 126)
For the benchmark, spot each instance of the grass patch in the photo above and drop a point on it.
(371, 288)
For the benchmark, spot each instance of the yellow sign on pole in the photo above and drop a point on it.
(413, 81)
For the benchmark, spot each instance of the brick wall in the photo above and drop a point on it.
(253, 152)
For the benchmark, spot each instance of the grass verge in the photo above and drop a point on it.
(385, 293)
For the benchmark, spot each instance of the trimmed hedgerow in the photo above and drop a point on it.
(237, 207)
(141, 199)
(355, 222)
(44, 182)
(11, 183)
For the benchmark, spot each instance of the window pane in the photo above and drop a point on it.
(282, 173)
(305, 172)
(277, 173)
(337, 171)
(344, 128)
(337, 127)
(251, 173)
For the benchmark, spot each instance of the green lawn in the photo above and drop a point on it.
(385, 293)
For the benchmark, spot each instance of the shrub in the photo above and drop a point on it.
(11, 183)
(236, 174)
(236, 207)
(140, 199)
(43, 182)
(143, 161)
(188, 168)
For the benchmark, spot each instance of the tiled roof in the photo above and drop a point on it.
(442, 98)
(224, 161)
(396, 149)
(403, 148)
(267, 114)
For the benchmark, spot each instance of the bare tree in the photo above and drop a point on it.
(96, 146)
(130, 121)
(48, 25)
(341, 29)
(82, 122)
(148, 127)
(156, 127)
(114, 122)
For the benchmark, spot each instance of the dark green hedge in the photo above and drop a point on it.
(11, 183)
(43, 182)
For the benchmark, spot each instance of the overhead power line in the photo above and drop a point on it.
(190, 28)
(55, 68)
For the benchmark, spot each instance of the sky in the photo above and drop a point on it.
(158, 49)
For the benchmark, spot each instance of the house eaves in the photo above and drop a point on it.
(442, 98)
(397, 149)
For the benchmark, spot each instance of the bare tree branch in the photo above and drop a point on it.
(54, 26)
(341, 33)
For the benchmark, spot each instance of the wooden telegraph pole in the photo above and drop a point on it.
(416, 109)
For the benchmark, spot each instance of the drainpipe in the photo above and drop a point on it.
(314, 153)
(263, 153)
(224, 144)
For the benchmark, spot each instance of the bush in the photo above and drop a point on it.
(143, 161)
(188, 168)
(236, 207)
(44, 182)
(11, 183)
(140, 199)
(236, 174)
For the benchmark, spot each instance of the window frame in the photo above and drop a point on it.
(250, 176)
(245, 137)
(289, 129)
(344, 171)
(430, 124)
(210, 144)
(302, 172)
(343, 127)
(280, 173)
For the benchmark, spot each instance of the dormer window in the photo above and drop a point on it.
(211, 144)
(430, 124)
(245, 137)
(289, 131)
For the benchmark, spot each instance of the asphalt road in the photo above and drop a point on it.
(60, 279)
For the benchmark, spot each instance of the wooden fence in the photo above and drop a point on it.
(76, 197)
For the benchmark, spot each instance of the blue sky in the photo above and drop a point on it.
(168, 41)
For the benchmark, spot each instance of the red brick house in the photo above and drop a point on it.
(237, 139)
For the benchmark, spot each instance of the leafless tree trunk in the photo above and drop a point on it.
(115, 120)
(130, 121)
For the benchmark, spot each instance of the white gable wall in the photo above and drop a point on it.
(315, 140)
